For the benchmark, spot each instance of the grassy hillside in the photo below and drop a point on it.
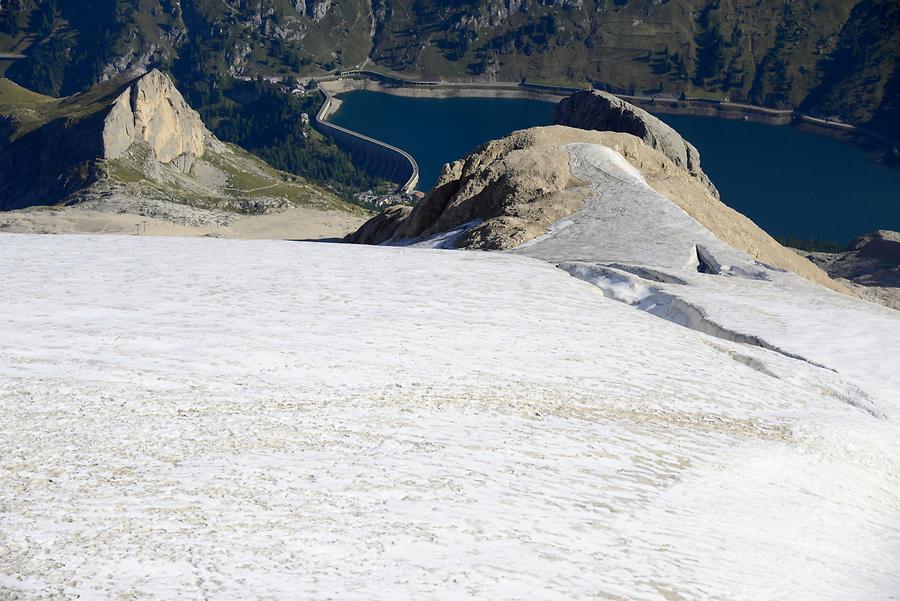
(26, 110)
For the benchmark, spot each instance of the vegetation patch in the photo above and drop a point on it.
(812, 245)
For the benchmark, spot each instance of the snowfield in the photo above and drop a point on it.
(641, 248)
(208, 419)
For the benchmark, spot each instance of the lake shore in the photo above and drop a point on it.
(444, 90)
(880, 147)
(792, 183)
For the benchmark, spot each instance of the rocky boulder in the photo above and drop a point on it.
(382, 227)
(593, 109)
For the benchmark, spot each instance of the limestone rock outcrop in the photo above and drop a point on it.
(152, 110)
(510, 191)
(57, 146)
(594, 109)
(514, 187)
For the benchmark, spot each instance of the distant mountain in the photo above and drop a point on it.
(835, 59)
(133, 137)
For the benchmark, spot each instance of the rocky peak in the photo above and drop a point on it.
(152, 110)
(594, 109)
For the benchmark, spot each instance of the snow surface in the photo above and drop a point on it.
(642, 249)
(209, 419)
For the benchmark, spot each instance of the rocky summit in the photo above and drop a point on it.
(513, 191)
(595, 109)
(151, 110)
(55, 148)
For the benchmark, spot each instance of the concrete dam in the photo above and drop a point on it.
(375, 156)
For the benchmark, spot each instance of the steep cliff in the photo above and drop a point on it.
(152, 110)
(56, 147)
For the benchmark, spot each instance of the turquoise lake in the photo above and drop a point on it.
(790, 182)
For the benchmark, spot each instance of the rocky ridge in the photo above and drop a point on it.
(609, 210)
(595, 109)
(510, 192)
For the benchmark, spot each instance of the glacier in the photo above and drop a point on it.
(210, 419)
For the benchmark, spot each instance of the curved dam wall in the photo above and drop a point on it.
(375, 156)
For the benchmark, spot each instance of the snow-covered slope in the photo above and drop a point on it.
(208, 419)
(641, 248)
(648, 242)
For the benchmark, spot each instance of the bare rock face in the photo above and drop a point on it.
(515, 188)
(317, 9)
(593, 109)
(133, 137)
(382, 227)
(153, 111)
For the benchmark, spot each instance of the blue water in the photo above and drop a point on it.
(438, 130)
(790, 182)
